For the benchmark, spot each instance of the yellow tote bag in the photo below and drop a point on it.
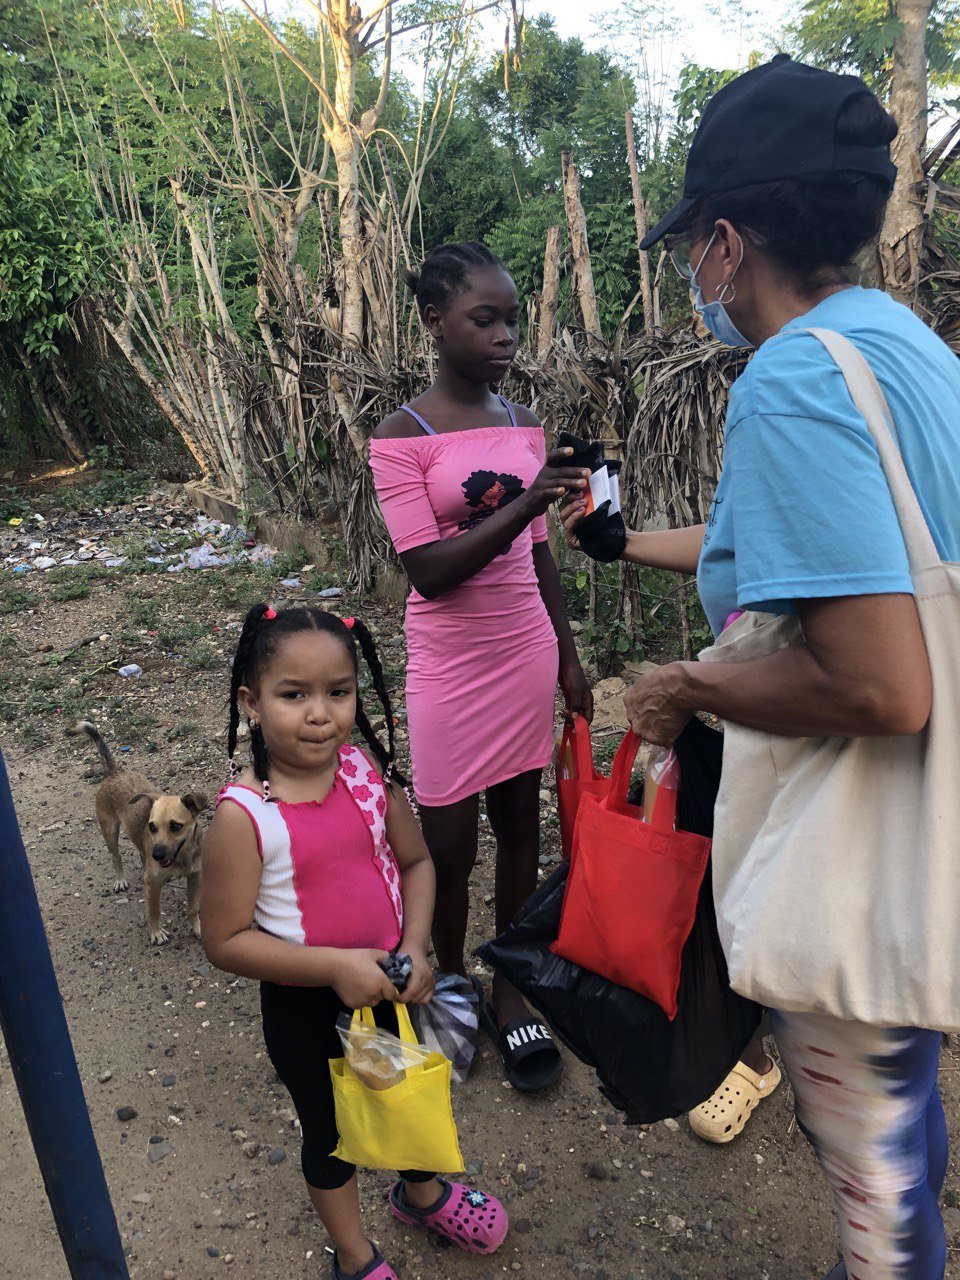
(409, 1125)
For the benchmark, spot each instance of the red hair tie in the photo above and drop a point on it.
(348, 623)
(269, 615)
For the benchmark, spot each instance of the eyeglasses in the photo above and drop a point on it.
(679, 249)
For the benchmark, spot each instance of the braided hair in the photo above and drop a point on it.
(260, 637)
(445, 272)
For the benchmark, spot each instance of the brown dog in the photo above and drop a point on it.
(163, 827)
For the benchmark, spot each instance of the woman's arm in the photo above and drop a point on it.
(419, 891)
(441, 566)
(675, 549)
(576, 691)
(862, 671)
(231, 881)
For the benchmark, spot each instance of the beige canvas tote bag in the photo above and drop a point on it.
(836, 861)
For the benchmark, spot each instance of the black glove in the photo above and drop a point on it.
(586, 453)
(602, 536)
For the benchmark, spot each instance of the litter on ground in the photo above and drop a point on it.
(177, 537)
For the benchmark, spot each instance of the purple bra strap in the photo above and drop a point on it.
(430, 431)
(416, 417)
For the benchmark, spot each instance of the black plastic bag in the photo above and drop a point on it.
(648, 1066)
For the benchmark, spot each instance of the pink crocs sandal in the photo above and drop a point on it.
(466, 1217)
(377, 1269)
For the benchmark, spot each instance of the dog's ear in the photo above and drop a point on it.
(195, 801)
(140, 796)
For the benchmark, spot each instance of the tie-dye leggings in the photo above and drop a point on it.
(867, 1099)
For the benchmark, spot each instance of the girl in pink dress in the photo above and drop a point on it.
(464, 484)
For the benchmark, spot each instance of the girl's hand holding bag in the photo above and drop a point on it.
(392, 1099)
(576, 777)
(632, 889)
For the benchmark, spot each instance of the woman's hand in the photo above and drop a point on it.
(655, 705)
(359, 981)
(419, 988)
(577, 694)
(553, 482)
(572, 511)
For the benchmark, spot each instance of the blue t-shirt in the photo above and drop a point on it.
(802, 510)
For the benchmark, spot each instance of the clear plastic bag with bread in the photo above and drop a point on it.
(376, 1057)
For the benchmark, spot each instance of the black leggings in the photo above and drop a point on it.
(300, 1031)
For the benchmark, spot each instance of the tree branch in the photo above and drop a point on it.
(288, 53)
(433, 22)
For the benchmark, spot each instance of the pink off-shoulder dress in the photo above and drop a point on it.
(482, 660)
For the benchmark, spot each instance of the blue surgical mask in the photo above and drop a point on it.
(715, 314)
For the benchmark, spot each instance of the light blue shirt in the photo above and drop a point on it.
(802, 510)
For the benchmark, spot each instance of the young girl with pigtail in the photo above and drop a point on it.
(314, 871)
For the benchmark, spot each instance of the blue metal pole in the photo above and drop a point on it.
(45, 1069)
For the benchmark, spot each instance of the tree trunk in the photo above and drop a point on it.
(550, 297)
(158, 392)
(580, 248)
(341, 20)
(53, 413)
(901, 238)
(640, 214)
(351, 236)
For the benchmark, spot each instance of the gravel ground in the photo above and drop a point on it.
(196, 1133)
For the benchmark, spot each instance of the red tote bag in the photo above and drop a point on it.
(632, 890)
(585, 780)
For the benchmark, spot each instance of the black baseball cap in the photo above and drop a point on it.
(774, 122)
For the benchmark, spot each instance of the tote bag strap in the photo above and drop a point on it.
(616, 797)
(577, 736)
(867, 395)
(364, 1017)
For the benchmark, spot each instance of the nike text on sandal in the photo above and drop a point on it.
(471, 1219)
(531, 1060)
(376, 1269)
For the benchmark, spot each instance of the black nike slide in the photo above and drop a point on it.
(531, 1060)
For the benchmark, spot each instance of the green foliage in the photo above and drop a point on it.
(13, 504)
(106, 484)
(49, 238)
(609, 642)
(858, 36)
(110, 484)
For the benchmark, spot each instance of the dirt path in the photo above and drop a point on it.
(159, 1031)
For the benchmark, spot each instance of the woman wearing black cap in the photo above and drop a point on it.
(838, 900)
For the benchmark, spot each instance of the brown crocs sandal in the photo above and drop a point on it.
(727, 1111)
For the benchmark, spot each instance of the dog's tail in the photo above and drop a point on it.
(86, 726)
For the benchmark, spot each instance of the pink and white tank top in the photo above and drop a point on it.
(329, 877)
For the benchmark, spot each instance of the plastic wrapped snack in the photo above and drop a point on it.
(376, 1057)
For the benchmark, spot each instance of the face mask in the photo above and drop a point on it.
(715, 315)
